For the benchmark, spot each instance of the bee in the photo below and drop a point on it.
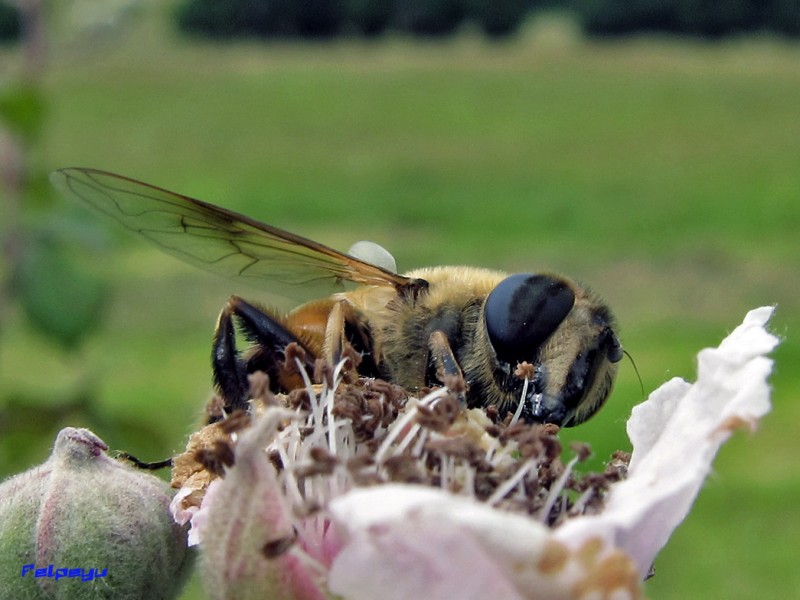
(414, 329)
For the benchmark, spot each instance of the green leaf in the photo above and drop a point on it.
(22, 109)
(59, 295)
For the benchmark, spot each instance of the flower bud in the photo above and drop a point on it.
(83, 525)
(251, 548)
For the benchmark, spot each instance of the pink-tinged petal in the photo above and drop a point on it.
(248, 548)
(199, 516)
(179, 513)
(676, 434)
(416, 560)
(319, 540)
(406, 542)
(403, 542)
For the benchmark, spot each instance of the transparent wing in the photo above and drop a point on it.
(219, 240)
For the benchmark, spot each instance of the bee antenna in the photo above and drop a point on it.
(140, 464)
(635, 369)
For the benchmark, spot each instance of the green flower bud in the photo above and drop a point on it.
(83, 525)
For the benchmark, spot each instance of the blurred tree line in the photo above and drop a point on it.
(10, 25)
(328, 18)
(497, 18)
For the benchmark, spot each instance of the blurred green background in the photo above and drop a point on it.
(663, 172)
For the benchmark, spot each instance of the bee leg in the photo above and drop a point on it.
(335, 342)
(447, 370)
(344, 332)
(270, 339)
(230, 377)
(336, 345)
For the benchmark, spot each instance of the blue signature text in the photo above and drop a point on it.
(62, 573)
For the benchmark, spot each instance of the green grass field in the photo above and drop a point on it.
(664, 174)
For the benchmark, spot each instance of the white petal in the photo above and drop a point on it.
(179, 514)
(676, 434)
(404, 542)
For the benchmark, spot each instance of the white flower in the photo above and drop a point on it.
(401, 541)
(675, 435)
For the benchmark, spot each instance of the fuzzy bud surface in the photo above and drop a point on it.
(83, 525)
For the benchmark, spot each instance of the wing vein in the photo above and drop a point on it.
(219, 240)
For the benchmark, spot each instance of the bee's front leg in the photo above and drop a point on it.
(269, 338)
(348, 334)
(335, 342)
(445, 366)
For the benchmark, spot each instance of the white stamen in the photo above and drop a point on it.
(423, 437)
(469, 481)
(316, 407)
(400, 424)
(555, 490)
(329, 397)
(580, 504)
(290, 481)
(521, 402)
(397, 427)
(340, 484)
(447, 473)
(304, 375)
(411, 435)
(509, 484)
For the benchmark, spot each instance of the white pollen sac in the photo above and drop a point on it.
(373, 254)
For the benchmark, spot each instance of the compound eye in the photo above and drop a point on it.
(523, 311)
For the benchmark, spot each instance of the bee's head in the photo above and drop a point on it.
(566, 333)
